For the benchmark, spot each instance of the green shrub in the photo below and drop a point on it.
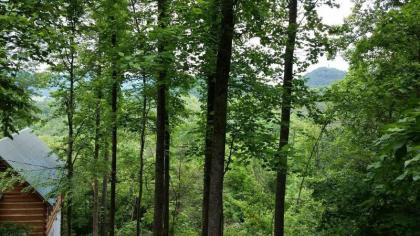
(11, 229)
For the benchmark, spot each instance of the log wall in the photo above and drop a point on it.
(26, 208)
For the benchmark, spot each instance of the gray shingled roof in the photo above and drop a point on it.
(34, 161)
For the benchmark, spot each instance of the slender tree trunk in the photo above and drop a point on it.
(159, 218)
(70, 142)
(95, 207)
(308, 162)
(285, 120)
(177, 196)
(62, 220)
(103, 223)
(167, 176)
(70, 164)
(141, 167)
(208, 154)
(162, 164)
(160, 226)
(73, 21)
(211, 80)
(215, 215)
(114, 97)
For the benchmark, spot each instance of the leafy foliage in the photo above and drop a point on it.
(14, 229)
(354, 156)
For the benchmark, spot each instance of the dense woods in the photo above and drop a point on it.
(200, 117)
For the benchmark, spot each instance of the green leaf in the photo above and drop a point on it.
(375, 165)
(401, 177)
(415, 159)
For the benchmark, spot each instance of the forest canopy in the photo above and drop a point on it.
(200, 117)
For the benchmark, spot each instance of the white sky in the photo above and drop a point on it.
(334, 16)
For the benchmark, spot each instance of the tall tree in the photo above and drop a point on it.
(95, 210)
(70, 137)
(285, 119)
(207, 154)
(71, 31)
(160, 222)
(103, 229)
(114, 45)
(114, 100)
(23, 30)
(141, 156)
(377, 108)
(222, 70)
(211, 52)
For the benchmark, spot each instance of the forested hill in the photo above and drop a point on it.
(324, 76)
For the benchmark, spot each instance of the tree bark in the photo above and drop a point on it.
(70, 144)
(114, 98)
(208, 154)
(167, 176)
(141, 157)
(103, 223)
(159, 214)
(161, 205)
(177, 196)
(285, 120)
(213, 39)
(95, 207)
(215, 211)
(70, 114)
(70, 126)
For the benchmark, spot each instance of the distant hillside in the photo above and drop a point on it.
(323, 77)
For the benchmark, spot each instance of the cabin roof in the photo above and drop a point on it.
(31, 158)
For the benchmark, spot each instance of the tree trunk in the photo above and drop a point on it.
(167, 176)
(211, 80)
(69, 173)
(160, 226)
(215, 211)
(72, 20)
(141, 156)
(114, 97)
(177, 196)
(103, 223)
(95, 207)
(70, 143)
(208, 154)
(285, 120)
(159, 218)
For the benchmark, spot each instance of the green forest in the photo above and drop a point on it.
(200, 117)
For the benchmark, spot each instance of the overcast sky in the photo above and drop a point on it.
(334, 16)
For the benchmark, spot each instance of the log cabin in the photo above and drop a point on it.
(32, 200)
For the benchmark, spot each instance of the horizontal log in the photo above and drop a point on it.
(17, 190)
(18, 193)
(22, 217)
(25, 210)
(37, 234)
(30, 201)
(20, 199)
(30, 223)
(4, 204)
(37, 228)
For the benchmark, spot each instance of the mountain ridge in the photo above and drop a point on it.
(323, 77)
